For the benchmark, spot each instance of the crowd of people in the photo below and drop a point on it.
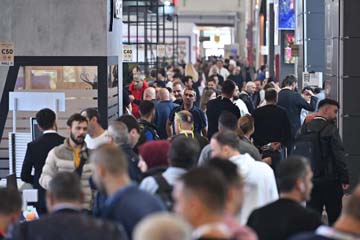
(206, 151)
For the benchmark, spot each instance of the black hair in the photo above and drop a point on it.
(91, 113)
(227, 120)
(10, 201)
(289, 171)
(228, 169)
(46, 118)
(77, 117)
(228, 87)
(162, 72)
(289, 80)
(180, 158)
(228, 138)
(328, 101)
(186, 79)
(270, 95)
(130, 122)
(66, 186)
(209, 185)
(146, 108)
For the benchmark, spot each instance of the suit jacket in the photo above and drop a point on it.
(293, 103)
(35, 156)
(68, 224)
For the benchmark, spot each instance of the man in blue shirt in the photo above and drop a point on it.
(126, 203)
(163, 109)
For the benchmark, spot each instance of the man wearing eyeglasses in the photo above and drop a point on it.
(200, 122)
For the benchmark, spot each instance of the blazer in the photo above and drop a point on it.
(293, 103)
(68, 224)
(35, 157)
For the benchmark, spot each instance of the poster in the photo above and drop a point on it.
(6, 54)
(287, 14)
(289, 39)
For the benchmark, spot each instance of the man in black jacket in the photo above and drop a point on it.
(37, 152)
(220, 104)
(333, 178)
(293, 102)
(285, 217)
(247, 96)
(272, 128)
(65, 220)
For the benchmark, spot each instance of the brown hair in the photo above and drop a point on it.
(245, 124)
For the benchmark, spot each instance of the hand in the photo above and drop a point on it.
(132, 98)
(345, 186)
(309, 92)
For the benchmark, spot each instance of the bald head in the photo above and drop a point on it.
(250, 87)
(111, 158)
(149, 94)
(163, 226)
(164, 94)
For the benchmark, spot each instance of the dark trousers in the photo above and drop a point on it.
(328, 194)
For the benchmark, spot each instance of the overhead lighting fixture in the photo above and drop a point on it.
(167, 3)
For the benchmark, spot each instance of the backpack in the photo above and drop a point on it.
(308, 144)
(164, 191)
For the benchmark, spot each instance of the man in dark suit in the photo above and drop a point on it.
(65, 221)
(37, 152)
(220, 104)
(293, 102)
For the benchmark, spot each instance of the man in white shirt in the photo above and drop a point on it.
(221, 70)
(260, 185)
(96, 133)
(240, 103)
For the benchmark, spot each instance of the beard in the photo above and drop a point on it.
(77, 140)
(235, 98)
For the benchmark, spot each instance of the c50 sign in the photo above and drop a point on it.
(6, 54)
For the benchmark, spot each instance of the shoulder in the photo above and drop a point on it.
(149, 184)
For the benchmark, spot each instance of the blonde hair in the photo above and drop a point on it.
(191, 71)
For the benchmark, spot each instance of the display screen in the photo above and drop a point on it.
(287, 14)
(289, 39)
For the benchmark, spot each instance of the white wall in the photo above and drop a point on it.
(209, 5)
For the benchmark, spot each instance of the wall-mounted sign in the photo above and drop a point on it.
(314, 79)
(128, 53)
(161, 50)
(6, 54)
(117, 8)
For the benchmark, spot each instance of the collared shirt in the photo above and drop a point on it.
(171, 175)
(62, 206)
(49, 131)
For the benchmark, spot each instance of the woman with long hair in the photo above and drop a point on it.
(207, 95)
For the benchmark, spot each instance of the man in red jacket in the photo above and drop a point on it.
(137, 88)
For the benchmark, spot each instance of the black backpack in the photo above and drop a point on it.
(164, 191)
(308, 144)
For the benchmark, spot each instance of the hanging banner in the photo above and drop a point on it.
(6, 54)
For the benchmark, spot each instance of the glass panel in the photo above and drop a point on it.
(43, 79)
(20, 81)
(69, 74)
